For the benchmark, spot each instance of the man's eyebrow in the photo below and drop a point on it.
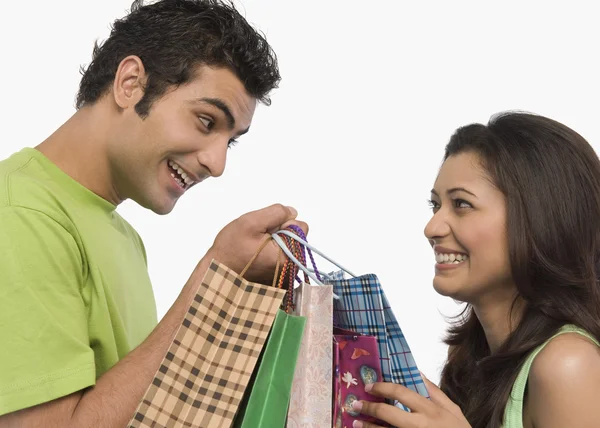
(221, 105)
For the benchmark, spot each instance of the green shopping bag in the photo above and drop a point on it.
(266, 404)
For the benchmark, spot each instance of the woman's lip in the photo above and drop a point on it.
(443, 250)
(447, 266)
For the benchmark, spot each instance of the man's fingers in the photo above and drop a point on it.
(302, 225)
(270, 219)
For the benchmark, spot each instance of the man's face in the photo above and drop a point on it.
(183, 140)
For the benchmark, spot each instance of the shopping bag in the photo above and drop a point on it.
(360, 305)
(311, 397)
(356, 364)
(363, 307)
(269, 394)
(203, 376)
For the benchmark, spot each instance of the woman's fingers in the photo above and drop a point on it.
(408, 397)
(382, 411)
(438, 397)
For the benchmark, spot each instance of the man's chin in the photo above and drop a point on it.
(160, 208)
(162, 211)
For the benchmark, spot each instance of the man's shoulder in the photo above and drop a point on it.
(26, 183)
(30, 199)
(22, 181)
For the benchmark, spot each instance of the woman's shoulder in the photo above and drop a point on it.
(564, 381)
(569, 354)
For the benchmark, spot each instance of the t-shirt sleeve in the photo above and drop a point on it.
(44, 342)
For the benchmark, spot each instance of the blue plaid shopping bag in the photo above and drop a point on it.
(363, 307)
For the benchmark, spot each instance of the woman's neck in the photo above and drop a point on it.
(499, 318)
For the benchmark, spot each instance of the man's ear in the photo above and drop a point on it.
(129, 83)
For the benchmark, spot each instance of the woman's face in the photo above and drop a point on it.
(468, 232)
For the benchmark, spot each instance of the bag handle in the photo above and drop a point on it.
(304, 249)
(290, 256)
(253, 258)
(303, 242)
(290, 272)
(289, 265)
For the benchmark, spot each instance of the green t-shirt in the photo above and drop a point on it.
(75, 294)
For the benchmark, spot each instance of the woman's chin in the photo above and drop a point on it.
(446, 288)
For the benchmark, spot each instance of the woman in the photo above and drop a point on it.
(516, 233)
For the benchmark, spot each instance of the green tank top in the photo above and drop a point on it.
(513, 414)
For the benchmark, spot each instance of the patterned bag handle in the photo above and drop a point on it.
(292, 249)
(302, 236)
(290, 272)
(310, 247)
(301, 264)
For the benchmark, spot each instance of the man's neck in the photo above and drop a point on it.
(79, 148)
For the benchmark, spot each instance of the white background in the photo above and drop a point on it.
(371, 92)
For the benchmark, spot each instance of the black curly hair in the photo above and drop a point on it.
(173, 37)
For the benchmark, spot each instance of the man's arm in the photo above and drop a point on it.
(113, 400)
(116, 395)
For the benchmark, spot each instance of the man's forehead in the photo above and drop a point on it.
(225, 92)
(211, 80)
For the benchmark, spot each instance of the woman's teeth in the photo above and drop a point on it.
(450, 258)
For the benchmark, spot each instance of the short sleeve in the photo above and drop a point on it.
(44, 342)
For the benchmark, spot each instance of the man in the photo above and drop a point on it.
(165, 96)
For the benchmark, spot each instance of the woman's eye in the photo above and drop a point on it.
(206, 122)
(433, 204)
(461, 203)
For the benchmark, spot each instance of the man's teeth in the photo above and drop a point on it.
(183, 177)
(450, 258)
(178, 180)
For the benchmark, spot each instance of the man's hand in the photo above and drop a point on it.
(235, 245)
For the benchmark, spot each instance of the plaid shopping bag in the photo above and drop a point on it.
(203, 377)
(363, 307)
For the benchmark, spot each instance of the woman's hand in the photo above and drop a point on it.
(440, 411)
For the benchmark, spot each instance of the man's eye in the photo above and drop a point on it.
(207, 122)
(232, 143)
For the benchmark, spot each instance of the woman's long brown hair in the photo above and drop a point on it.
(550, 177)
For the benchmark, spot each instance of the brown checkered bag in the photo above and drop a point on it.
(207, 368)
